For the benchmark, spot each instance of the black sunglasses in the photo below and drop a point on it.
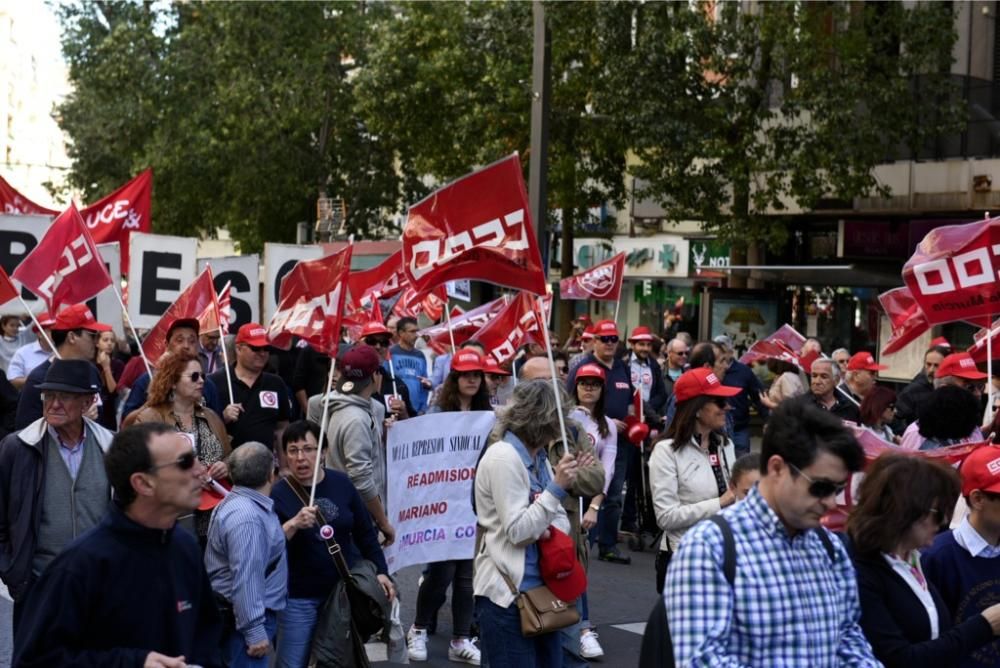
(196, 376)
(258, 349)
(376, 341)
(185, 463)
(820, 489)
(721, 402)
(608, 339)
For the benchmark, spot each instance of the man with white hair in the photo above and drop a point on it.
(823, 379)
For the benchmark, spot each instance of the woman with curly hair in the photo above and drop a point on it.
(175, 398)
(950, 416)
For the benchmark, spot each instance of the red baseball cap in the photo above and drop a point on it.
(590, 371)
(588, 333)
(940, 342)
(189, 323)
(583, 318)
(981, 470)
(357, 365)
(253, 334)
(698, 382)
(374, 328)
(605, 328)
(467, 359)
(78, 316)
(864, 361)
(960, 365)
(561, 570)
(490, 365)
(641, 333)
(45, 320)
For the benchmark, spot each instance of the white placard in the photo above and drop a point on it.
(430, 466)
(243, 274)
(105, 305)
(278, 261)
(18, 236)
(160, 268)
(905, 364)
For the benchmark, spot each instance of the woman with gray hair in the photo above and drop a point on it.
(518, 493)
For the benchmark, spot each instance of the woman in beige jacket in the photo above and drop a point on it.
(689, 471)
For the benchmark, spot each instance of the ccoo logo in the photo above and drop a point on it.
(599, 282)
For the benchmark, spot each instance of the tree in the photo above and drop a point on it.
(737, 109)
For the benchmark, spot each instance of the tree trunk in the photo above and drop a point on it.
(562, 325)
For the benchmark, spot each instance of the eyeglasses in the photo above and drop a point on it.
(185, 463)
(561, 370)
(820, 489)
(720, 402)
(195, 377)
(62, 397)
(682, 353)
(307, 451)
(842, 361)
(256, 349)
(608, 339)
(938, 517)
(375, 341)
(591, 384)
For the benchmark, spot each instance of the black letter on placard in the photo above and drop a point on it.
(9, 258)
(241, 308)
(152, 261)
(285, 268)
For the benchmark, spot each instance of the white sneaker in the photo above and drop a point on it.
(589, 647)
(464, 652)
(416, 644)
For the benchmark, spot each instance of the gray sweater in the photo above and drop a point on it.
(354, 440)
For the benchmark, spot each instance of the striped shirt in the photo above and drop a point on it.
(788, 606)
(244, 538)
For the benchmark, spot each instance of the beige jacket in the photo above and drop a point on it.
(509, 521)
(683, 487)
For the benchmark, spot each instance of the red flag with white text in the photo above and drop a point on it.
(382, 280)
(311, 303)
(128, 209)
(463, 326)
(477, 227)
(602, 282)
(431, 304)
(906, 318)
(65, 267)
(197, 301)
(13, 202)
(510, 328)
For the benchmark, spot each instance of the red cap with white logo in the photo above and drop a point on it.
(373, 328)
(981, 470)
(467, 359)
(960, 365)
(641, 333)
(590, 371)
(703, 381)
(864, 361)
(253, 334)
(605, 328)
(588, 333)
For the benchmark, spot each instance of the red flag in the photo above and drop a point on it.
(767, 349)
(126, 210)
(506, 332)
(65, 267)
(603, 282)
(7, 289)
(463, 326)
(13, 202)
(431, 304)
(198, 300)
(311, 303)
(789, 336)
(477, 227)
(383, 280)
(218, 314)
(905, 316)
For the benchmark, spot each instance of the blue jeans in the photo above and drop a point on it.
(237, 646)
(296, 624)
(611, 511)
(741, 441)
(504, 646)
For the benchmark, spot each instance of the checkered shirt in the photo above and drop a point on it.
(789, 606)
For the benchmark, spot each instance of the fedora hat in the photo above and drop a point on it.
(76, 376)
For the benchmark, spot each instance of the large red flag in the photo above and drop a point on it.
(603, 282)
(128, 209)
(196, 302)
(8, 290)
(13, 202)
(382, 280)
(463, 326)
(789, 336)
(477, 227)
(770, 349)
(509, 329)
(906, 318)
(218, 314)
(311, 303)
(431, 304)
(65, 267)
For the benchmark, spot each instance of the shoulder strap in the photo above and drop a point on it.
(827, 544)
(332, 546)
(728, 547)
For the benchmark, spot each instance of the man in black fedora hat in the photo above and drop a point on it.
(52, 481)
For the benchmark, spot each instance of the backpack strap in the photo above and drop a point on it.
(828, 544)
(728, 547)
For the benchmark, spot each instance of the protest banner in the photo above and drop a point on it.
(278, 261)
(162, 268)
(105, 306)
(19, 235)
(430, 467)
(242, 272)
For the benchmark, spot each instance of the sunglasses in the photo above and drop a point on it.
(682, 353)
(939, 518)
(258, 349)
(720, 402)
(196, 376)
(819, 489)
(185, 463)
(608, 339)
(373, 341)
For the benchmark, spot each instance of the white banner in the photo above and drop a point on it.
(278, 261)
(105, 306)
(160, 268)
(18, 236)
(430, 466)
(243, 273)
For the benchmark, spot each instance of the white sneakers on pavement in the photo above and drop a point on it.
(589, 647)
(416, 644)
(464, 651)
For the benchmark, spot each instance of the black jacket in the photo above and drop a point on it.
(844, 408)
(896, 624)
(117, 593)
(912, 396)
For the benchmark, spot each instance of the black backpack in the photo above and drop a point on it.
(657, 649)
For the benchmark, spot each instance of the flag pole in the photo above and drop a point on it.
(135, 335)
(222, 337)
(225, 363)
(322, 428)
(617, 306)
(555, 381)
(39, 325)
(451, 334)
(989, 367)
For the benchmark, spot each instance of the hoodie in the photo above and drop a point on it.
(354, 440)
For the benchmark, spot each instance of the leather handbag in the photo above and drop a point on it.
(542, 611)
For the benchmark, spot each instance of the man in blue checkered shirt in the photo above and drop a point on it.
(790, 603)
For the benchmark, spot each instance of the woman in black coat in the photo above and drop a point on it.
(903, 502)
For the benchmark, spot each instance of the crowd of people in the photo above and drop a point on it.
(193, 484)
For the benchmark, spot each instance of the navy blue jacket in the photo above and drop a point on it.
(742, 376)
(618, 388)
(117, 593)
